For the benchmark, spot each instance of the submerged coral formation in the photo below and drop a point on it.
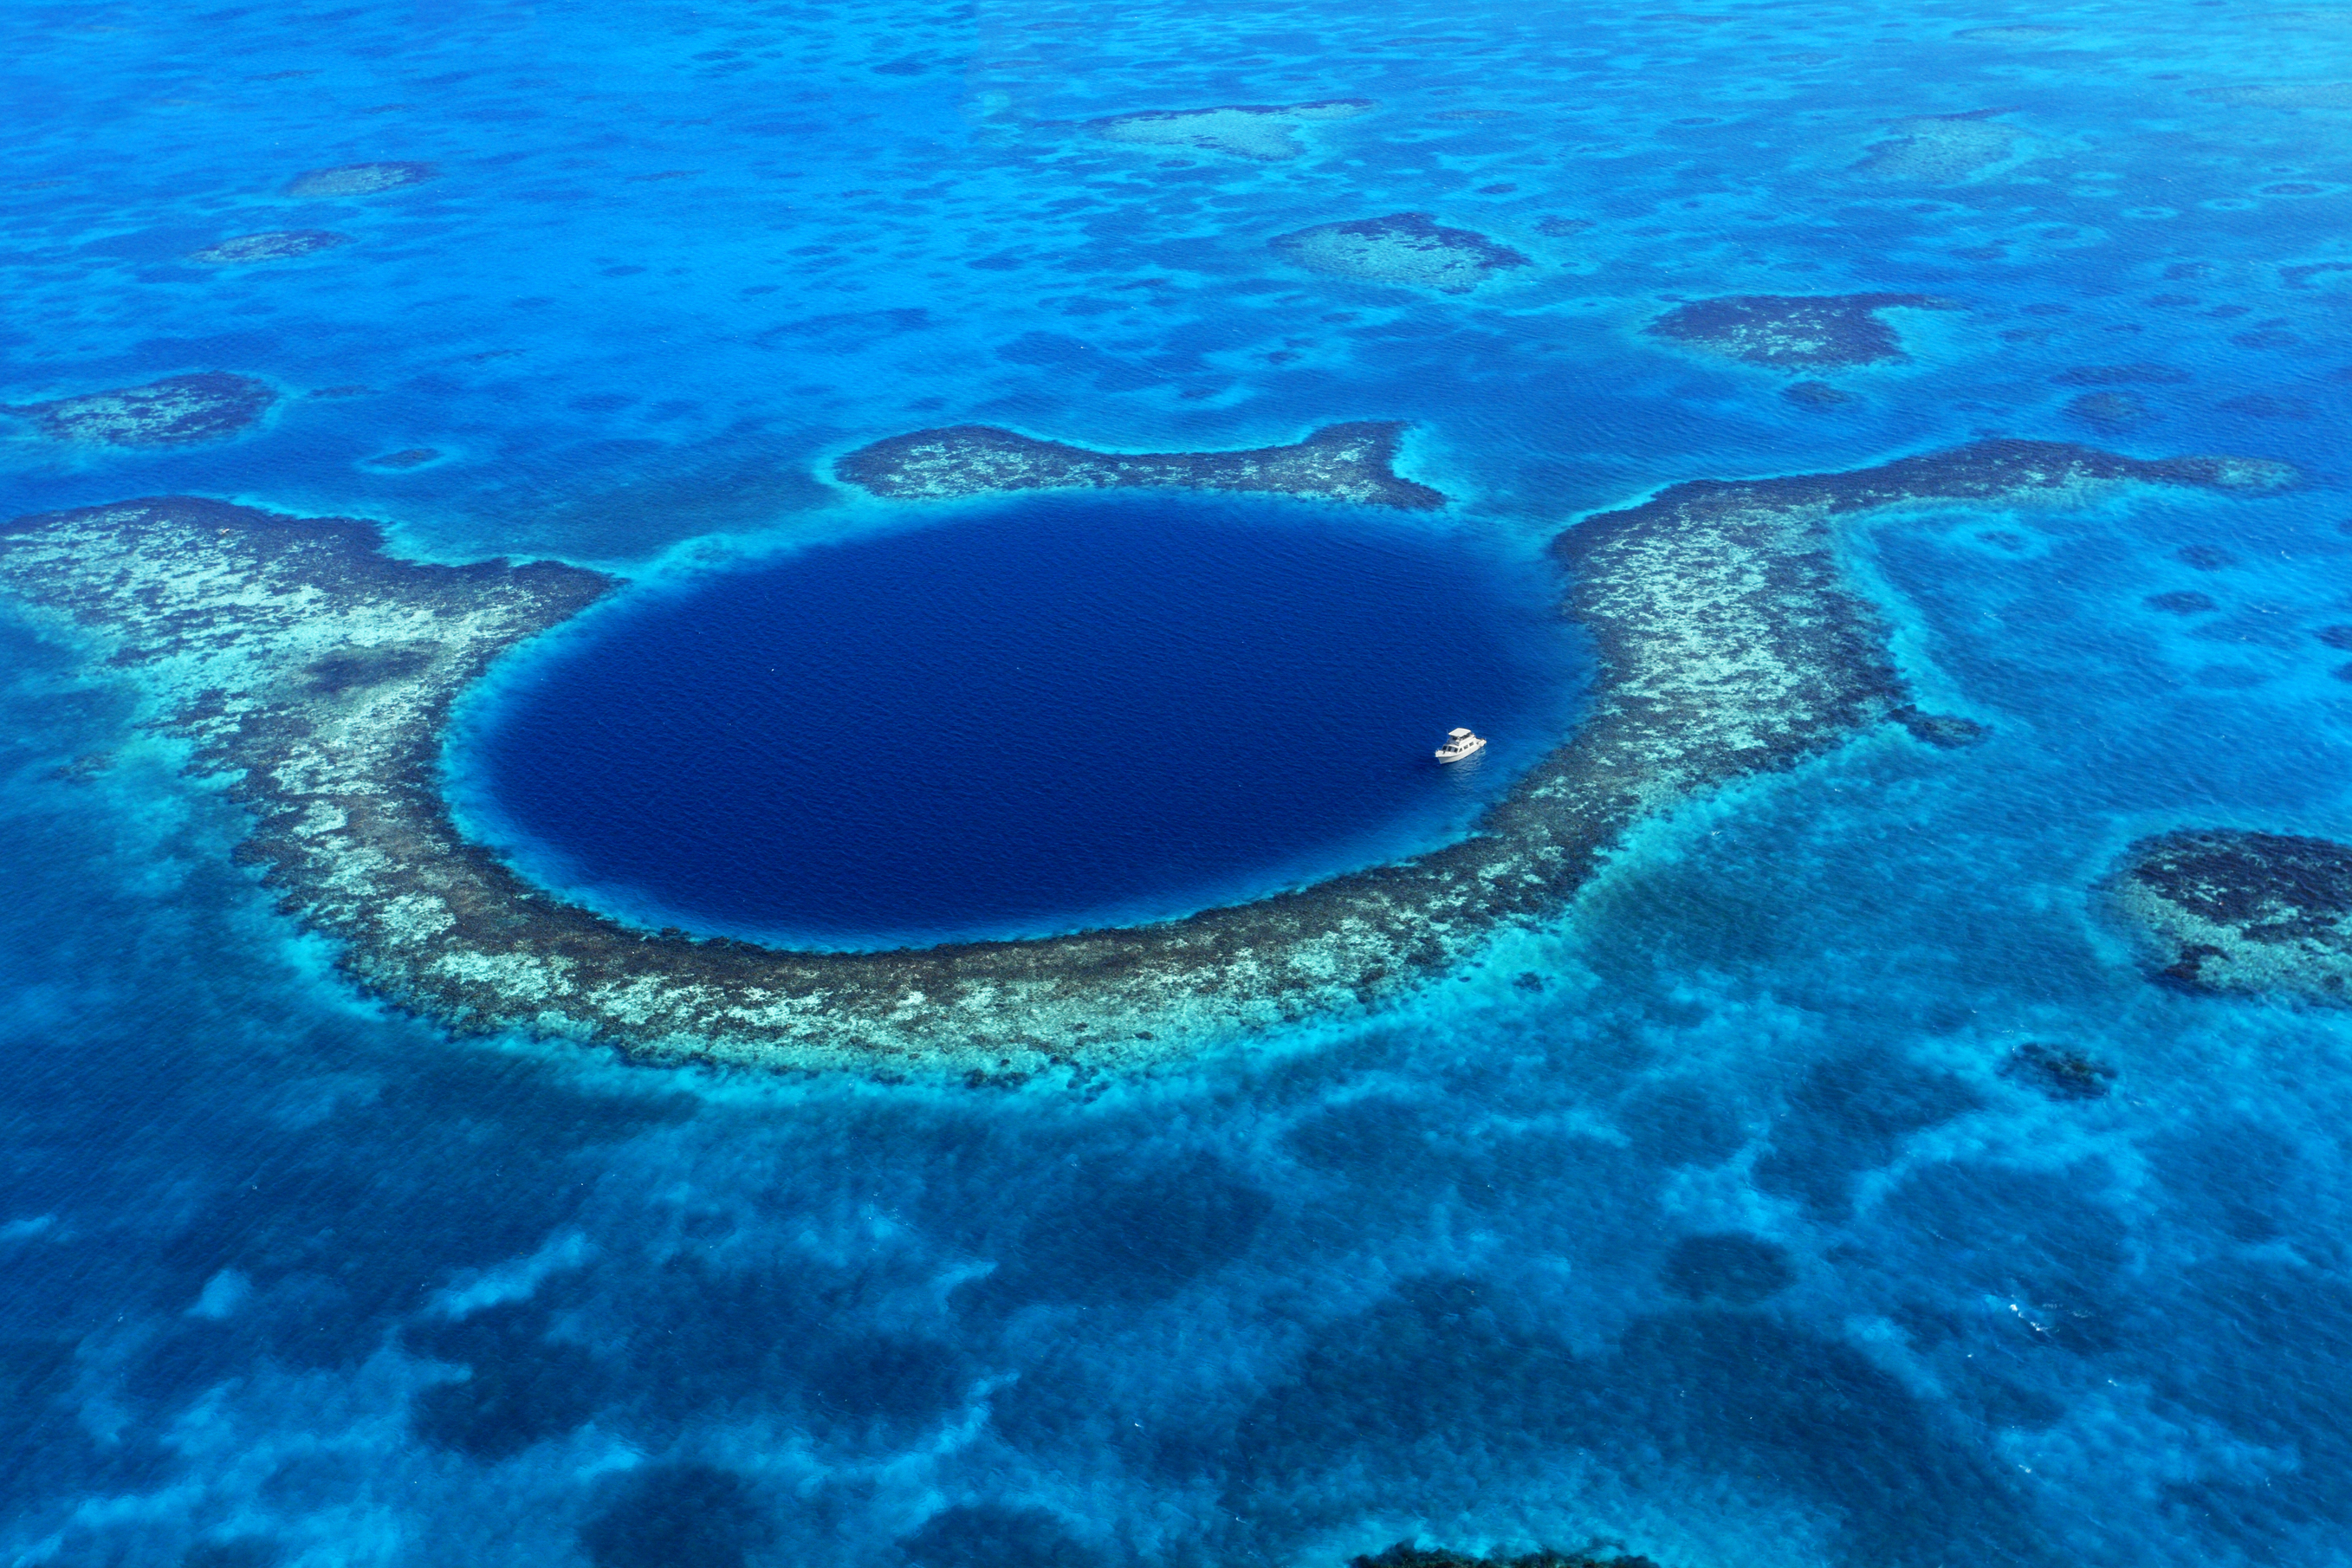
(1793, 331)
(359, 179)
(1339, 462)
(177, 411)
(2226, 909)
(2059, 1072)
(277, 244)
(1941, 149)
(314, 676)
(1261, 131)
(1403, 247)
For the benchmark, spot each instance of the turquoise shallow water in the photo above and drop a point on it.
(293, 1281)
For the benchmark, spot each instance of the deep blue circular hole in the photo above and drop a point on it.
(1038, 717)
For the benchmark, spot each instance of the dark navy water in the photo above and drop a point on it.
(1728, 1238)
(1051, 714)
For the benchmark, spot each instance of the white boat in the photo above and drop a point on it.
(1460, 743)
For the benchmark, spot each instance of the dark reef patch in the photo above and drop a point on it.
(1793, 331)
(2224, 910)
(1126, 1236)
(2337, 636)
(359, 179)
(1405, 1554)
(2060, 1072)
(1947, 730)
(407, 458)
(679, 1516)
(278, 245)
(1815, 394)
(1850, 1116)
(178, 411)
(1729, 642)
(2182, 602)
(1339, 462)
(2205, 557)
(994, 1535)
(520, 1387)
(2109, 410)
(1447, 1365)
(1408, 248)
(1732, 1270)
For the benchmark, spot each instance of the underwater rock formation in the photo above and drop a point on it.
(314, 676)
(1793, 331)
(178, 411)
(1339, 462)
(1404, 247)
(1941, 149)
(2058, 1071)
(277, 244)
(359, 179)
(2225, 909)
(1261, 131)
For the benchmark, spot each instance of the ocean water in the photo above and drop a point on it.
(1051, 714)
(1729, 1242)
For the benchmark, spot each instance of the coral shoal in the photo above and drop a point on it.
(1404, 247)
(178, 411)
(1793, 331)
(277, 244)
(359, 179)
(2226, 909)
(1941, 149)
(1339, 462)
(315, 675)
(1261, 131)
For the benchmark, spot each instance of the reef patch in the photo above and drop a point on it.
(1339, 462)
(2228, 911)
(2058, 1072)
(178, 411)
(1941, 149)
(2109, 410)
(359, 179)
(313, 677)
(1266, 132)
(277, 244)
(1408, 248)
(405, 458)
(1405, 1554)
(1794, 331)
